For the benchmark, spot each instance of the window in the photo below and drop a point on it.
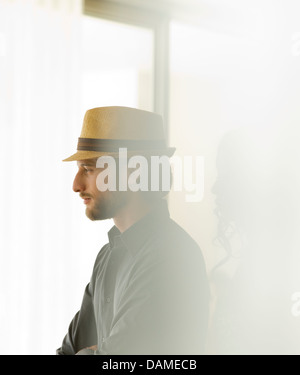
(137, 24)
(117, 65)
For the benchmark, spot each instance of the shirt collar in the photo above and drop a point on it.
(113, 234)
(135, 236)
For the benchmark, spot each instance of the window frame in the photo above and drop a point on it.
(159, 22)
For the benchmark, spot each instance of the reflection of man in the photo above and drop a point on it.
(257, 203)
(148, 293)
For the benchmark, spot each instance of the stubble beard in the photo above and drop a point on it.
(106, 207)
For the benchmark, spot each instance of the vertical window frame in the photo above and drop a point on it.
(158, 22)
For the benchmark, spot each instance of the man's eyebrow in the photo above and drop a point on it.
(87, 164)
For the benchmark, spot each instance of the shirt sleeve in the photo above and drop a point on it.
(82, 329)
(163, 310)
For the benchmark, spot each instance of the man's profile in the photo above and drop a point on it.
(148, 293)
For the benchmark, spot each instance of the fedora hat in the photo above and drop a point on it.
(106, 129)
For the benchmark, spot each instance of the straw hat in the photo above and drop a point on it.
(106, 129)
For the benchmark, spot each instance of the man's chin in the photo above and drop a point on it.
(96, 215)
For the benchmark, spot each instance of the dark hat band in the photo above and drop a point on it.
(113, 145)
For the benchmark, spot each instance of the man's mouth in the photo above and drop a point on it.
(86, 200)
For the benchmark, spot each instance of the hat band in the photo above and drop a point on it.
(113, 145)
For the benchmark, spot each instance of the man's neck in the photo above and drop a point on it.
(134, 210)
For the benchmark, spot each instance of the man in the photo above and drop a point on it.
(148, 293)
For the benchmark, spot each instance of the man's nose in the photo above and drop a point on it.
(78, 183)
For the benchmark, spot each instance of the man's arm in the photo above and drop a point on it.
(82, 331)
(163, 310)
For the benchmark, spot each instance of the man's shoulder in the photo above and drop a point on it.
(174, 257)
(169, 242)
(177, 236)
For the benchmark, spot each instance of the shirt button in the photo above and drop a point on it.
(103, 339)
(108, 300)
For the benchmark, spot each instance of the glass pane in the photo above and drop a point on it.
(235, 101)
(203, 96)
(117, 65)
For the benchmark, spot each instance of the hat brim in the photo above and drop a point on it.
(84, 155)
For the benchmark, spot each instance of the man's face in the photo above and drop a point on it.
(99, 205)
